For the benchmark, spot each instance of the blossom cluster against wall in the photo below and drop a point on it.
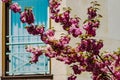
(86, 56)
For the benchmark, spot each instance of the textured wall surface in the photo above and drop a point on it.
(79, 8)
(114, 19)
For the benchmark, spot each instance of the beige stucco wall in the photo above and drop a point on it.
(108, 31)
(79, 8)
(114, 18)
(59, 69)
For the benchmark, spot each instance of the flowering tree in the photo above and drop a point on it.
(86, 55)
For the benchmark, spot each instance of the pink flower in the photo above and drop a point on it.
(64, 17)
(5, 1)
(31, 29)
(83, 46)
(61, 58)
(50, 33)
(40, 29)
(88, 26)
(75, 21)
(29, 48)
(27, 16)
(57, 19)
(48, 36)
(117, 62)
(35, 29)
(15, 7)
(99, 45)
(36, 51)
(23, 17)
(65, 40)
(76, 69)
(91, 13)
(90, 29)
(34, 59)
(96, 24)
(44, 38)
(50, 52)
(117, 74)
(75, 31)
(90, 45)
(72, 77)
(54, 8)
(91, 32)
(49, 55)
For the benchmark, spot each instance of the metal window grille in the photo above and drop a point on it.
(19, 38)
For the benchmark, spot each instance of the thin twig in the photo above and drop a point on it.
(107, 66)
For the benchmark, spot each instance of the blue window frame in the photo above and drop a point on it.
(18, 38)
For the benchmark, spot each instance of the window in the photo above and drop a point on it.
(16, 38)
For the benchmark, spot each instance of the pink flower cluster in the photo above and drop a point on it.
(15, 7)
(5, 1)
(45, 36)
(48, 36)
(27, 16)
(35, 29)
(86, 55)
(72, 77)
(113, 60)
(90, 45)
(54, 4)
(75, 31)
(92, 12)
(36, 52)
(69, 24)
(90, 27)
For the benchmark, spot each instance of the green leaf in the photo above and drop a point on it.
(97, 4)
(97, 8)
(100, 16)
(85, 21)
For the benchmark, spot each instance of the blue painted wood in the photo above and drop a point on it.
(17, 34)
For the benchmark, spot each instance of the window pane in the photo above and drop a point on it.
(19, 38)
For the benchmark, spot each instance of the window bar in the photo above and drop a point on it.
(47, 65)
(44, 64)
(16, 47)
(21, 46)
(28, 72)
(14, 31)
(25, 43)
(43, 22)
(47, 26)
(27, 39)
(10, 47)
(21, 35)
(22, 39)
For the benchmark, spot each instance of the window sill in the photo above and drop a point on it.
(28, 77)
